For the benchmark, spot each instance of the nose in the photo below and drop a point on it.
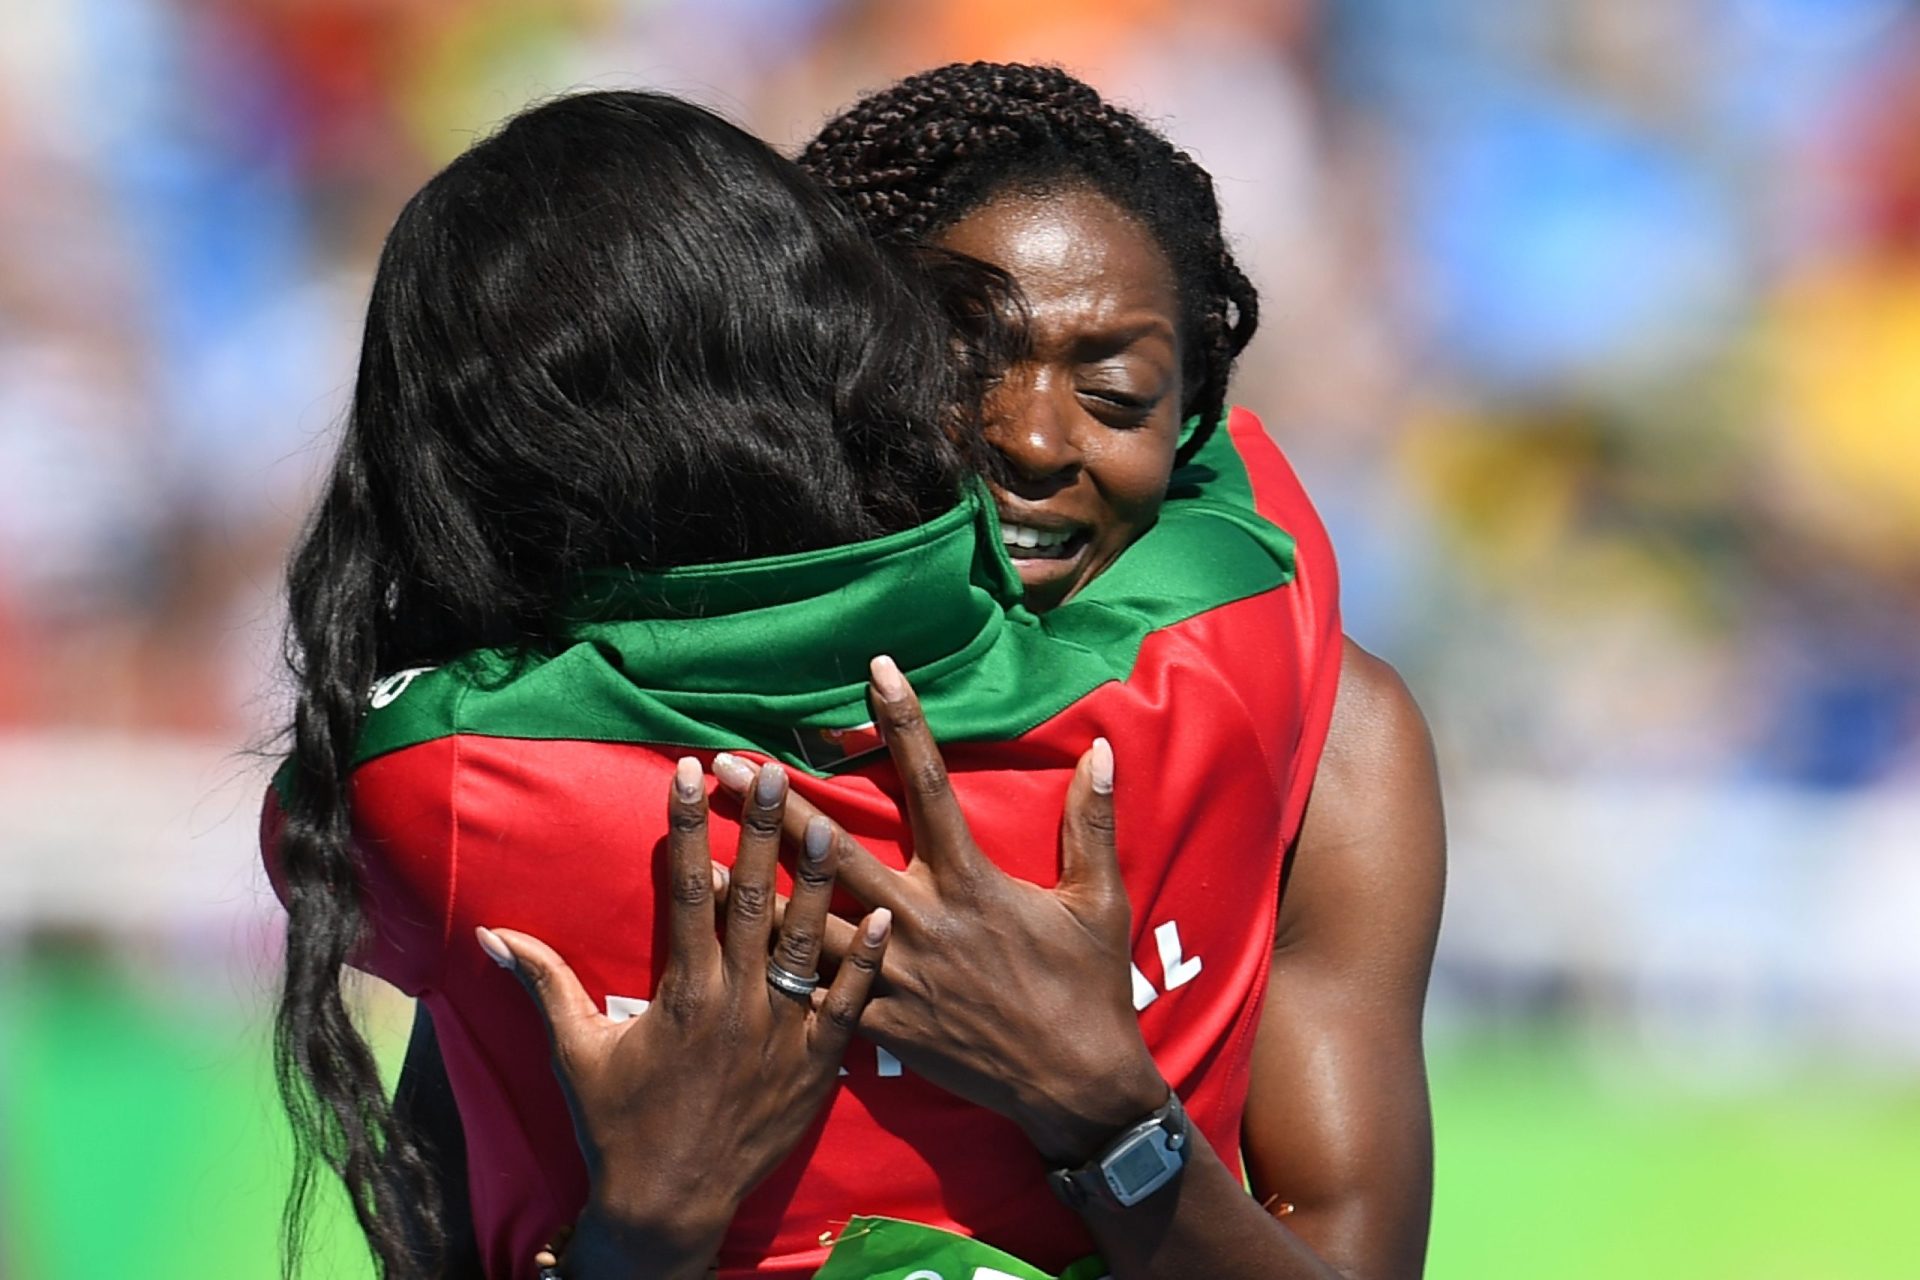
(1036, 433)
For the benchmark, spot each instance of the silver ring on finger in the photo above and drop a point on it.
(788, 983)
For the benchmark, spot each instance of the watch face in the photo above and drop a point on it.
(1138, 1167)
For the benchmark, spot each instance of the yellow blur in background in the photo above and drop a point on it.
(1593, 325)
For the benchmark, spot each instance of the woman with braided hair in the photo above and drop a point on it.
(1108, 228)
(1097, 216)
(1136, 311)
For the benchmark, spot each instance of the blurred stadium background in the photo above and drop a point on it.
(1593, 324)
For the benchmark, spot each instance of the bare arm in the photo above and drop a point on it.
(1065, 1060)
(1337, 1122)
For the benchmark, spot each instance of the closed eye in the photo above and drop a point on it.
(1123, 409)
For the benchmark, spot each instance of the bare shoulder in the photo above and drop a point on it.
(1374, 830)
(1375, 717)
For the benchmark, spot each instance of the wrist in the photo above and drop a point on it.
(1136, 1166)
(636, 1236)
(1068, 1131)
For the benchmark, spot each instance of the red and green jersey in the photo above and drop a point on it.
(529, 793)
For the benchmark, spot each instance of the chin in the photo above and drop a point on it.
(1047, 585)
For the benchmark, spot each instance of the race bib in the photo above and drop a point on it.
(889, 1249)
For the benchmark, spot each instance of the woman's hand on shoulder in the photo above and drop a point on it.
(681, 1110)
(1015, 997)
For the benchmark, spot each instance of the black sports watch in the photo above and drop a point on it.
(1136, 1164)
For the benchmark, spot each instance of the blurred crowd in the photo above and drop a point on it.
(1595, 324)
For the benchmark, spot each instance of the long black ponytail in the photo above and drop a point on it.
(620, 331)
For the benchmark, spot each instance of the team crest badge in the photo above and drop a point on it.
(831, 748)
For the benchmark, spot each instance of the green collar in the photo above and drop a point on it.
(804, 626)
(772, 654)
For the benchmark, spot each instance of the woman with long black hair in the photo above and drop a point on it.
(475, 824)
(619, 334)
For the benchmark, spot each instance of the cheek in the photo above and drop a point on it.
(1132, 473)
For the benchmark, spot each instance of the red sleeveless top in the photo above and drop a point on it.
(532, 797)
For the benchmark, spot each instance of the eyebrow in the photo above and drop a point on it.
(1111, 341)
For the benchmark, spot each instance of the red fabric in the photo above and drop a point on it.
(1216, 737)
(1279, 496)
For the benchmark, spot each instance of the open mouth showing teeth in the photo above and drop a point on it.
(1025, 542)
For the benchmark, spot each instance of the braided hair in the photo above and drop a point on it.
(914, 159)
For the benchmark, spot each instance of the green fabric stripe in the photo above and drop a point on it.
(743, 655)
(876, 1248)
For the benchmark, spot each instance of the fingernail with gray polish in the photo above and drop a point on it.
(732, 770)
(819, 838)
(686, 779)
(496, 949)
(1102, 769)
(887, 678)
(771, 786)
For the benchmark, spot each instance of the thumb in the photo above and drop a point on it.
(564, 1004)
(1089, 859)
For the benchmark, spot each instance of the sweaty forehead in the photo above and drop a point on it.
(1079, 258)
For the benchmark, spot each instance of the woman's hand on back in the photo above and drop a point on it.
(1020, 999)
(1015, 997)
(683, 1109)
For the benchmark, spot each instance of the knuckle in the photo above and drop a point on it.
(846, 852)
(905, 716)
(762, 822)
(929, 778)
(686, 819)
(798, 946)
(960, 892)
(542, 998)
(947, 934)
(692, 888)
(937, 936)
(730, 1023)
(749, 901)
(1097, 821)
(683, 1002)
(812, 876)
(843, 1013)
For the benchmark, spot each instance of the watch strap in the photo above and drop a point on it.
(1163, 1137)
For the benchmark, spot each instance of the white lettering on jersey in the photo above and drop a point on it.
(1178, 970)
(1176, 965)
(620, 1008)
(1143, 992)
